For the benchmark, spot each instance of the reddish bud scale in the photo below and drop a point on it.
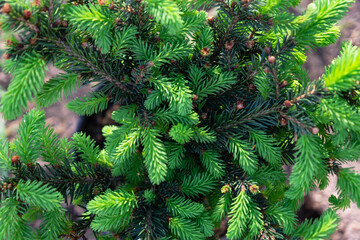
(283, 122)
(240, 105)
(271, 59)
(283, 84)
(250, 44)
(150, 64)
(33, 41)
(27, 14)
(6, 8)
(267, 50)
(195, 97)
(314, 130)
(30, 165)
(9, 42)
(229, 45)
(204, 116)
(211, 19)
(57, 23)
(287, 103)
(15, 159)
(252, 87)
(64, 23)
(153, 123)
(266, 70)
(112, 6)
(6, 56)
(205, 51)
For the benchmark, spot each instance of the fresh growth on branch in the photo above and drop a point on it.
(208, 112)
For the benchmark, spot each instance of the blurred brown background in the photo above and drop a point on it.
(65, 122)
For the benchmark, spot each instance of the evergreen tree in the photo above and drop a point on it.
(209, 112)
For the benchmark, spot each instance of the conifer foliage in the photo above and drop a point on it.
(208, 112)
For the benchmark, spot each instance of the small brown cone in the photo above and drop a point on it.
(283, 122)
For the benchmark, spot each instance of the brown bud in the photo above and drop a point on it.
(6, 8)
(30, 165)
(15, 159)
(101, 2)
(205, 51)
(225, 188)
(195, 97)
(283, 122)
(149, 90)
(33, 41)
(57, 165)
(6, 56)
(96, 191)
(207, 65)
(142, 67)
(229, 45)
(84, 44)
(112, 6)
(287, 103)
(64, 23)
(20, 45)
(252, 87)
(211, 19)
(240, 105)
(204, 115)
(36, 3)
(150, 64)
(10, 186)
(117, 21)
(249, 44)
(270, 22)
(195, 105)
(9, 42)
(27, 14)
(254, 189)
(153, 123)
(266, 70)
(57, 23)
(267, 50)
(283, 84)
(271, 59)
(314, 130)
